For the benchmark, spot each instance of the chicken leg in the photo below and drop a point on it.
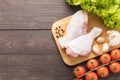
(82, 44)
(76, 27)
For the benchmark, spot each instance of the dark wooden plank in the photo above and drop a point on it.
(32, 14)
(27, 42)
(38, 67)
(4, 67)
(28, 54)
(46, 67)
(35, 67)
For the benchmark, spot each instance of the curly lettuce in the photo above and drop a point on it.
(108, 10)
(74, 2)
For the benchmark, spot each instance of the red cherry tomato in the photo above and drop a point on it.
(115, 67)
(91, 76)
(105, 58)
(115, 54)
(79, 79)
(79, 70)
(103, 72)
(91, 64)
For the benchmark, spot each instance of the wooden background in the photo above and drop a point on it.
(27, 47)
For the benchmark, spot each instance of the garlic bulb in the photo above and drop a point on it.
(96, 49)
(100, 40)
(115, 42)
(111, 34)
(113, 38)
(105, 47)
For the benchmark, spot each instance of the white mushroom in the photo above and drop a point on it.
(100, 40)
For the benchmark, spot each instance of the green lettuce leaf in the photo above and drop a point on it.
(74, 2)
(108, 10)
(70, 2)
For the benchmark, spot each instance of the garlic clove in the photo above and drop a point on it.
(108, 32)
(100, 40)
(96, 49)
(105, 47)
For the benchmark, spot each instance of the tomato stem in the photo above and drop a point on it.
(91, 78)
(115, 69)
(115, 54)
(102, 73)
(105, 58)
(77, 69)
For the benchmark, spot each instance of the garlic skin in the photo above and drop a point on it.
(100, 40)
(111, 34)
(115, 42)
(105, 47)
(96, 49)
(113, 38)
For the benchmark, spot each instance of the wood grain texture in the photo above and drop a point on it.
(20, 67)
(27, 48)
(32, 67)
(32, 14)
(27, 42)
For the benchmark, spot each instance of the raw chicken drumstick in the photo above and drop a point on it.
(76, 27)
(82, 45)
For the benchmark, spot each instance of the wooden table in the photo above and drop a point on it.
(27, 47)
